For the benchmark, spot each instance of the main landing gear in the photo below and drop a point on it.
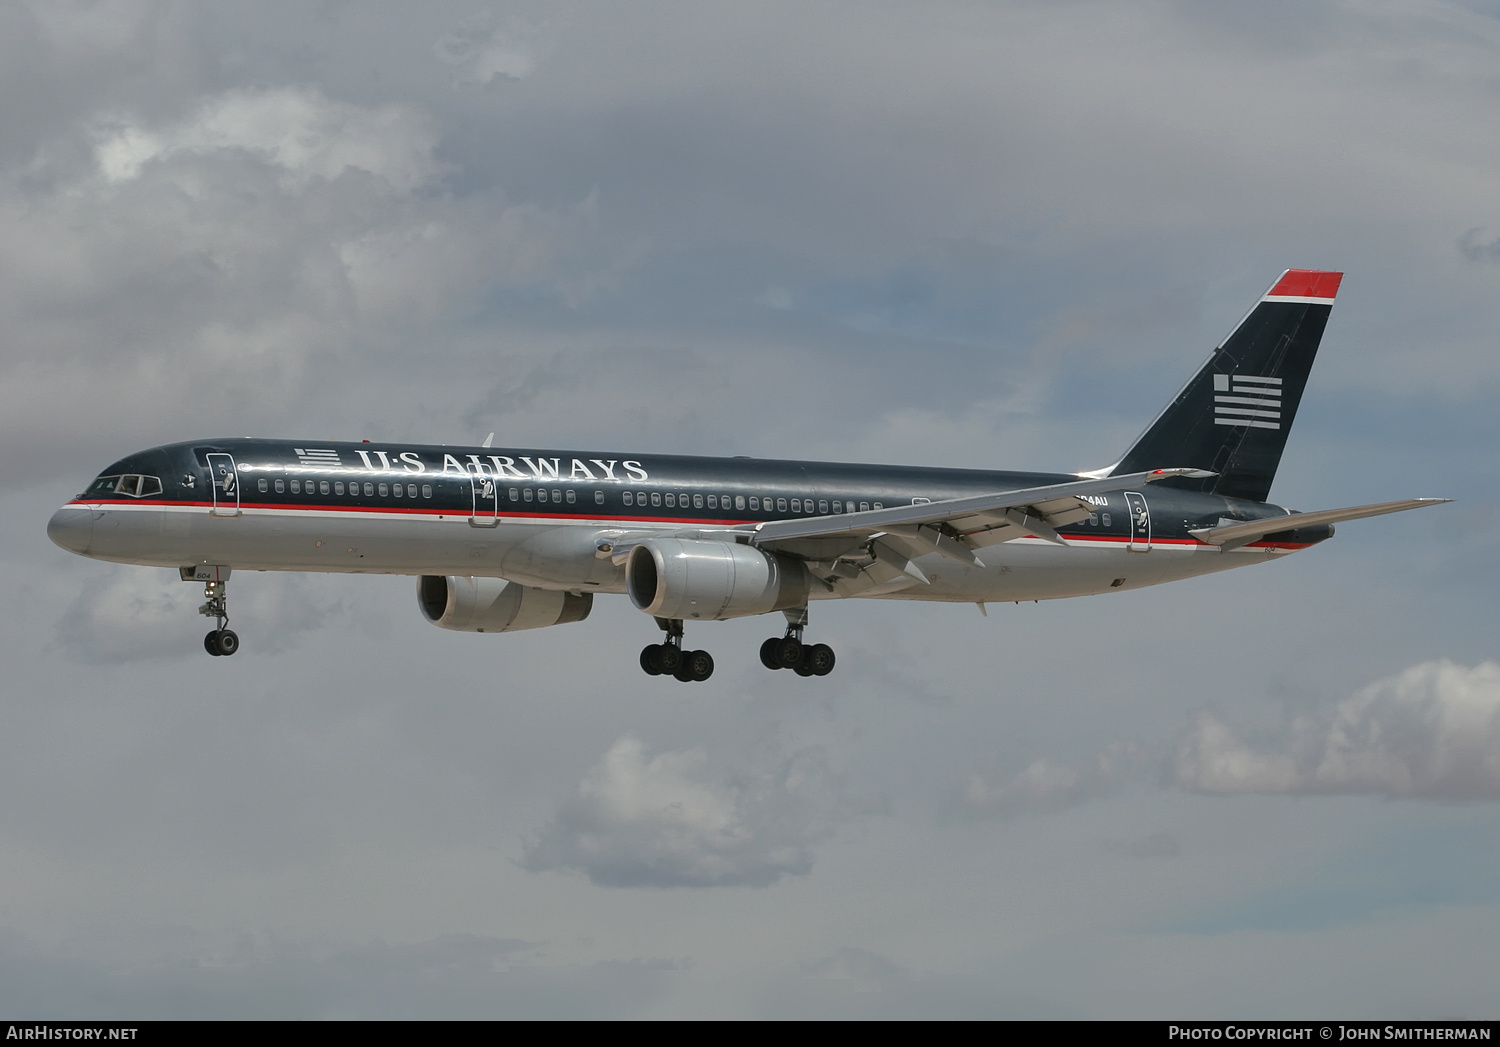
(669, 659)
(779, 652)
(789, 652)
(220, 642)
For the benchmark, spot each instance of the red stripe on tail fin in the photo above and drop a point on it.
(1306, 283)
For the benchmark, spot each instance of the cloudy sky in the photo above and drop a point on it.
(974, 234)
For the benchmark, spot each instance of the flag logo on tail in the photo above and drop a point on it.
(317, 456)
(1243, 399)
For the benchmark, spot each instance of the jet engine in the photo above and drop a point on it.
(493, 605)
(687, 578)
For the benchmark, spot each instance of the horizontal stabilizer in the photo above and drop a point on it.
(1233, 536)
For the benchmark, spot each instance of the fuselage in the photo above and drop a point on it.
(546, 518)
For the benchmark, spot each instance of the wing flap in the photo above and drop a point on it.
(972, 517)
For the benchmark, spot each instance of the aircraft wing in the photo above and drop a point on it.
(954, 527)
(1232, 536)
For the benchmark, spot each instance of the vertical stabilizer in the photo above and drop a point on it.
(1233, 417)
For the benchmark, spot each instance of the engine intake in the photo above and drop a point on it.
(687, 578)
(493, 605)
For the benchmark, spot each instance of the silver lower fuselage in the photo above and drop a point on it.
(566, 555)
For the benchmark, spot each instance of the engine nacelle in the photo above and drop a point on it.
(493, 605)
(687, 578)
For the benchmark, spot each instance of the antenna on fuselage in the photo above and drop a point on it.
(488, 440)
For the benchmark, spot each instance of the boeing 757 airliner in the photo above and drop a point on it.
(520, 538)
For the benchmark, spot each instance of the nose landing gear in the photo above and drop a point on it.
(222, 641)
(669, 659)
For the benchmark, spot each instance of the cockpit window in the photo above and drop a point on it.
(132, 484)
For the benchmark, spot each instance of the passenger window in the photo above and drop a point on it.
(598, 497)
(296, 486)
(629, 498)
(528, 494)
(697, 501)
(397, 491)
(1106, 519)
(796, 505)
(280, 486)
(838, 506)
(713, 501)
(515, 495)
(656, 498)
(556, 495)
(426, 490)
(263, 485)
(1093, 519)
(739, 501)
(572, 497)
(672, 500)
(369, 490)
(781, 505)
(822, 506)
(754, 504)
(878, 505)
(865, 506)
(385, 490)
(338, 487)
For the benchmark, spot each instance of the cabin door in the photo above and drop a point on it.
(486, 497)
(225, 484)
(1140, 522)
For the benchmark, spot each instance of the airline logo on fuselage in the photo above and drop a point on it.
(318, 456)
(1243, 399)
(501, 466)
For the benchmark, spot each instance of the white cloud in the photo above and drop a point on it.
(676, 820)
(299, 131)
(1431, 732)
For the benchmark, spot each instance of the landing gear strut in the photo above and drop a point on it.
(222, 641)
(789, 652)
(669, 659)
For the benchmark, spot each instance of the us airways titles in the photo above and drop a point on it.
(503, 465)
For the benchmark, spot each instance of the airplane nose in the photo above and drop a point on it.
(71, 527)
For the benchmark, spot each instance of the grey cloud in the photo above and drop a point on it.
(481, 52)
(1429, 733)
(453, 976)
(1475, 250)
(1045, 785)
(128, 614)
(1156, 845)
(235, 253)
(675, 820)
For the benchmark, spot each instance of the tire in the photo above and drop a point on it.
(684, 672)
(208, 642)
(651, 659)
(768, 653)
(803, 670)
(227, 641)
(700, 665)
(671, 658)
(789, 652)
(820, 659)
